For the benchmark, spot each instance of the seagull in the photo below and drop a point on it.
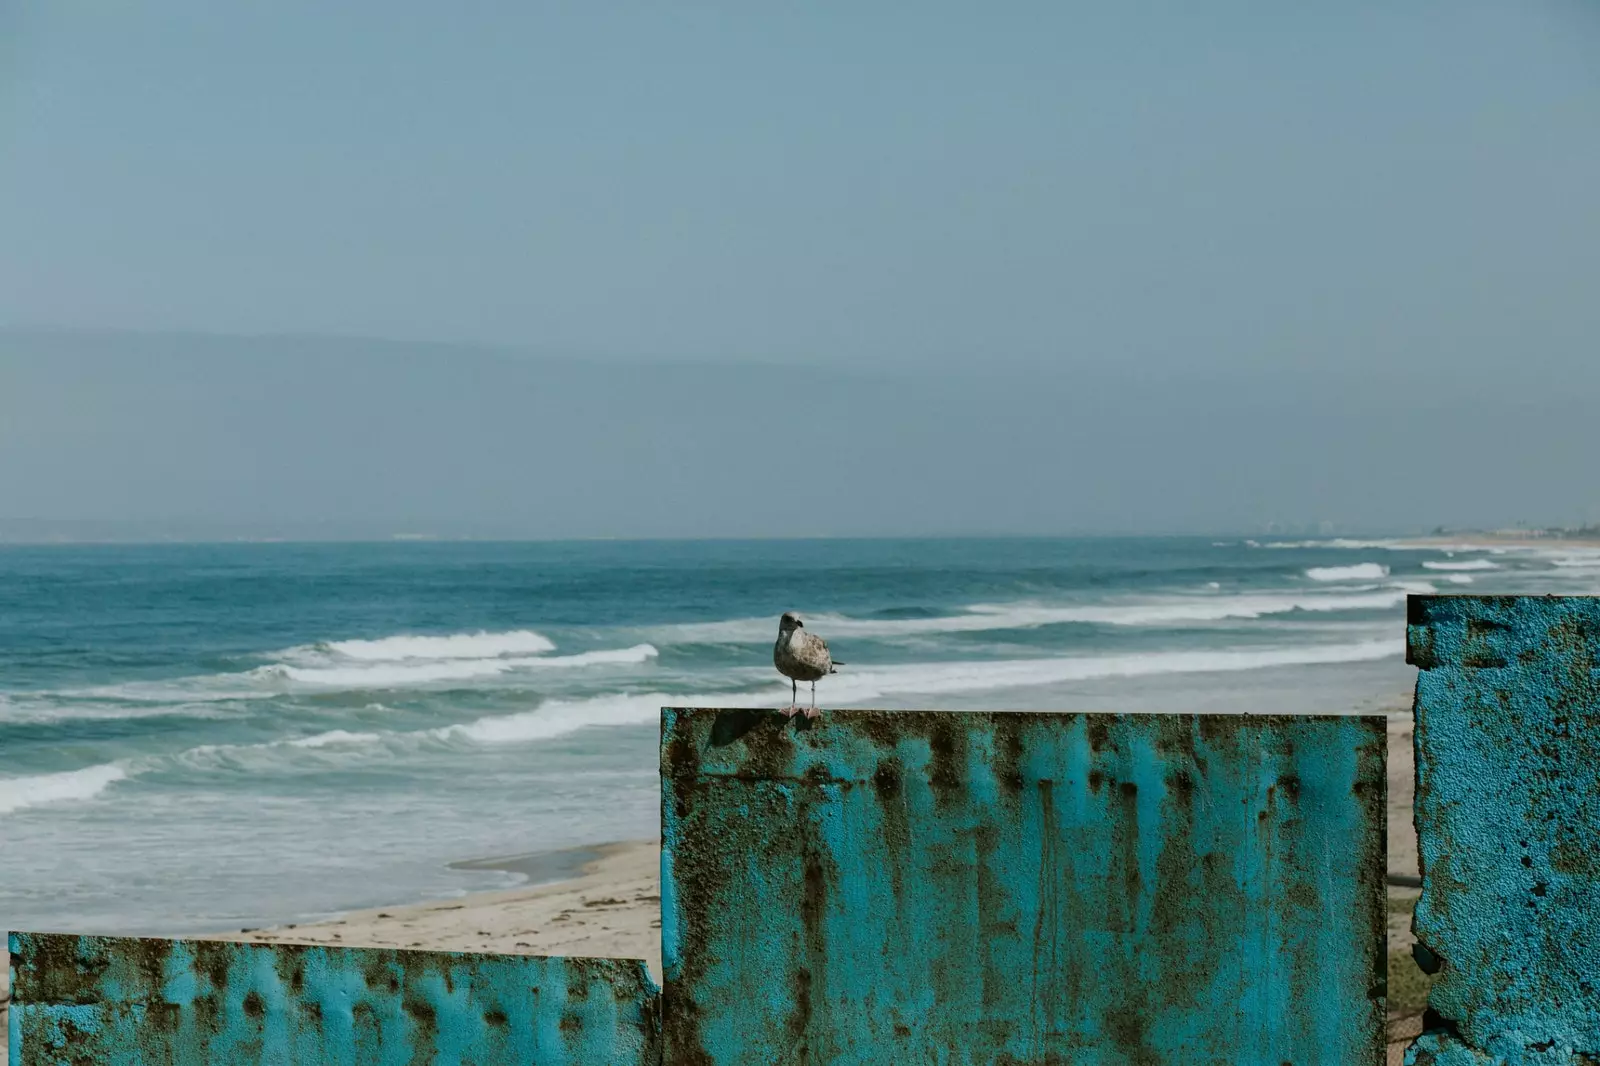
(801, 656)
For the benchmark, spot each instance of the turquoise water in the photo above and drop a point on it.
(211, 736)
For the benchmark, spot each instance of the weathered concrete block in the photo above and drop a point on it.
(1508, 822)
(114, 1001)
(955, 888)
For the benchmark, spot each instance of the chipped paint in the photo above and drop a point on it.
(113, 1001)
(1508, 822)
(965, 888)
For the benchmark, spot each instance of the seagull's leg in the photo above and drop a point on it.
(794, 698)
(813, 712)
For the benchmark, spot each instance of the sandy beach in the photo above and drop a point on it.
(612, 906)
(611, 909)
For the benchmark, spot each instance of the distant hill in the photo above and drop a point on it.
(107, 435)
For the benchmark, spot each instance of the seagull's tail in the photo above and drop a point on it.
(833, 667)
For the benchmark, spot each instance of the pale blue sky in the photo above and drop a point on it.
(1354, 202)
(1036, 182)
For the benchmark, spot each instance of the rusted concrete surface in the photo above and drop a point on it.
(124, 1002)
(1508, 816)
(1022, 888)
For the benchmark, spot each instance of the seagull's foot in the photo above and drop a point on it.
(811, 712)
(790, 711)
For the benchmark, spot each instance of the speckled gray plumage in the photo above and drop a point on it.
(802, 656)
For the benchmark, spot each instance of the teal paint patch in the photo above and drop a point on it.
(974, 888)
(112, 1001)
(1508, 822)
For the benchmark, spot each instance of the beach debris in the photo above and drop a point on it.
(801, 656)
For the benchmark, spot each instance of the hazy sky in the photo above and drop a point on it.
(1220, 183)
(1363, 205)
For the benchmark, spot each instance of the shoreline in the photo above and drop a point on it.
(610, 907)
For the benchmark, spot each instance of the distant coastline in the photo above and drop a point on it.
(1588, 537)
(71, 533)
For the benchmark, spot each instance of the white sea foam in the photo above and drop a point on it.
(1358, 572)
(1174, 610)
(1348, 544)
(1171, 611)
(1417, 588)
(480, 645)
(1577, 562)
(556, 718)
(306, 666)
(559, 717)
(1459, 579)
(1468, 564)
(391, 675)
(19, 792)
(333, 737)
(639, 653)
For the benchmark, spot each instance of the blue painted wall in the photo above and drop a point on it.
(1508, 823)
(126, 1002)
(899, 887)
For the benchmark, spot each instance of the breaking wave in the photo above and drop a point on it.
(558, 717)
(333, 737)
(555, 718)
(1577, 562)
(1467, 564)
(19, 792)
(480, 645)
(390, 675)
(1358, 572)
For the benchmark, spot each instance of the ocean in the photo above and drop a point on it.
(205, 737)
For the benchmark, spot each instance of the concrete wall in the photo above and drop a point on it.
(1508, 820)
(1022, 888)
(136, 1002)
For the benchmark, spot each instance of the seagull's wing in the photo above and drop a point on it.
(832, 662)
